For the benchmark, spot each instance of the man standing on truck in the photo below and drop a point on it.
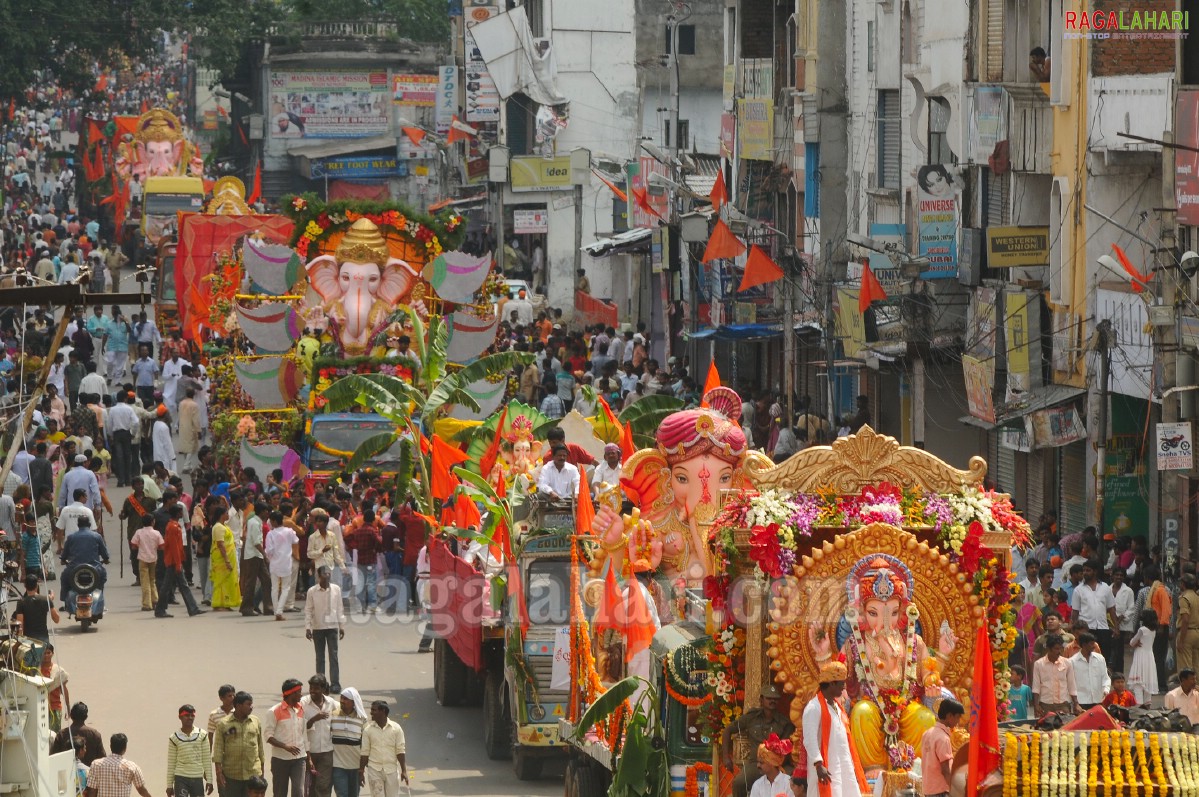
(755, 725)
(833, 767)
(559, 480)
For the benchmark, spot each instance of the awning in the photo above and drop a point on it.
(737, 332)
(1040, 398)
(634, 241)
(704, 177)
(328, 149)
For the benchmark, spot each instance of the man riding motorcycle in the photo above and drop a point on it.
(84, 547)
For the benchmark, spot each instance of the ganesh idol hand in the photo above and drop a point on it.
(822, 644)
(948, 640)
(608, 526)
(644, 543)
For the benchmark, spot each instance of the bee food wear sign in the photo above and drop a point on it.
(1174, 446)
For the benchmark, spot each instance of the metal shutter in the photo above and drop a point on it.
(993, 65)
(998, 188)
(1034, 479)
(888, 138)
(1072, 491)
(1005, 469)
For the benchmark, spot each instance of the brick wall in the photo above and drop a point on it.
(757, 25)
(1132, 56)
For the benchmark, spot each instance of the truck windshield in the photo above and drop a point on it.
(166, 279)
(347, 435)
(548, 593)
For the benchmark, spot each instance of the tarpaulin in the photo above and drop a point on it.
(274, 268)
(512, 56)
(271, 326)
(202, 237)
(457, 275)
(270, 382)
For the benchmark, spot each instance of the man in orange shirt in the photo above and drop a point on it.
(936, 752)
(172, 560)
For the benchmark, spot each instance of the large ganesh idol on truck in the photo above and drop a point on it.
(158, 147)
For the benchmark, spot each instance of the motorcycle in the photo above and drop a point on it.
(84, 595)
(1177, 441)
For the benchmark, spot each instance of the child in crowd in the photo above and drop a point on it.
(1142, 675)
(1120, 696)
(1020, 695)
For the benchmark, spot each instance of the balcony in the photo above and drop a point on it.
(1136, 104)
(1017, 113)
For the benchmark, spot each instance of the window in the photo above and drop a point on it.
(995, 198)
(686, 39)
(521, 113)
(888, 138)
(536, 15)
(908, 35)
(811, 195)
(684, 135)
(1024, 24)
(938, 127)
(870, 46)
(1059, 89)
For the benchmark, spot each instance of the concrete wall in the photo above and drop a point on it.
(701, 108)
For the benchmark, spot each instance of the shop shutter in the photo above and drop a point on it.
(994, 53)
(1005, 469)
(1034, 479)
(1072, 491)
(889, 140)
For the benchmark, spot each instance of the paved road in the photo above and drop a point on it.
(134, 671)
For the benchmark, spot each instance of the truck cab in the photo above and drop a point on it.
(164, 198)
(166, 303)
(334, 436)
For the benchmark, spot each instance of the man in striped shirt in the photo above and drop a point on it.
(189, 759)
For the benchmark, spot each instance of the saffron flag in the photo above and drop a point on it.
(1139, 280)
(722, 244)
(487, 463)
(516, 589)
(459, 131)
(638, 624)
(608, 611)
(615, 189)
(627, 446)
(584, 509)
(720, 194)
(759, 269)
(502, 538)
(415, 134)
(641, 196)
(256, 192)
(466, 514)
(712, 381)
(445, 457)
(984, 716)
(871, 291)
(609, 418)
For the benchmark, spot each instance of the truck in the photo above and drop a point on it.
(164, 198)
(485, 653)
(334, 436)
(27, 768)
(166, 303)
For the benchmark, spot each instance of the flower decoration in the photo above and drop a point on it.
(315, 220)
(299, 204)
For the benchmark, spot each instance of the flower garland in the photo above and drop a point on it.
(691, 783)
(315, 220)
(677, 685)
(725, 680)
(1125, 763)
(891, 702)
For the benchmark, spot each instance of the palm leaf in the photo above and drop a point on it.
(381, 393)
(435, 353)
(455, 385)
(479, 483)
(607, 703)
(370, 447)
(418, 334)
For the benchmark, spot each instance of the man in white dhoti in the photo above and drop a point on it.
(833, 766)
(163, 445)
(172, 369)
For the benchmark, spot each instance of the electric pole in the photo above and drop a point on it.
(1104, 338)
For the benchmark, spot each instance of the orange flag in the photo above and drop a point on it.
(1139, 280)
(720, 194)
(759, 269)
(871, 291)
(713, 379)
(445, 457)
(459, 131)
(256, 193)
(984, 716)
(584, 509)
(641, 197)
(627, 446)
(516, 589)
(607, 410)
(722, 244)
(493, 451)
(615, 189)
(466, 514)
(502, 537)
(609, 610)
(638, 624)
(415, 134)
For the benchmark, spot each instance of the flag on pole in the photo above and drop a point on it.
(459, 131)
(1139, 280)
(627, 446)
(722, 243)
(720, 193)
(871, 291)
(445, 457)
(984, 716)
(759, 269)
(609, 610)
(415, 134)
(613, 187)
(641, 196)
(712, 381)
(638, 624)
(487, 463)
(584, 509)
(256, 192)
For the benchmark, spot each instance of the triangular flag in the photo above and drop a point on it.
(722, 244)
(1139, 280)
(584, 509)
(984, 716)
(720, 193)
(609, 417)
(459, 131)
(627, 446)
(487, 463)
(256, 193)
(466, 514)
(608, 611)
(641, 197)
(713, 381)
(445, 457)
(502, 535)
(415, 134)
(615, 189)
(871, 291)
(759, 269)
(638, 624)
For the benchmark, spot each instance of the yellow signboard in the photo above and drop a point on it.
(1009, 247)
(851, 325)
(755, 129)
(540, 174)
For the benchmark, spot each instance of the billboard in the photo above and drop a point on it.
(1186, 163)
(937, 215)
(755, 129)
(311, 104)
(482, 97)
(446, 106)
(418, 90)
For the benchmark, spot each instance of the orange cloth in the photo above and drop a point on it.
(826, 721)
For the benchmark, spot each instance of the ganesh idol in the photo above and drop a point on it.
(888, 662)
(361, 285)
(677, 488)
(520, 455)
(158, 148)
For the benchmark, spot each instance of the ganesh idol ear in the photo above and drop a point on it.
(398, 279)
(322, 276)
(640, 476)
(177, 152)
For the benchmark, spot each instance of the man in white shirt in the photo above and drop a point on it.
(1126, 615)
(68, 516)
(1094, 604)
(1090, 672)
(325, 623)
(1186, 697)
(608, 471)
(282, 548)
(284, 729)
(318, 709)
(559, 480)
(383, 753)
(172, 370)
(93, 384)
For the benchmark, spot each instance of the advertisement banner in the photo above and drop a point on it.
(1186, 163)
(988, 125)
(374, 166)
(1174, 446)
(1056, 427)
(1010, 247)
(755, 129)
(447, 98)
(728, 134)
(418, 90)
(638, 175)
(1022, 336)
(525, 222)
(482, 97)
(851, 325)
(937, 215)
(980, 388)
(329, 104)
(540, 174)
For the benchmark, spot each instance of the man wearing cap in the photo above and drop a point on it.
(608, 471)
(834, 769)
(756, 725)
(80, 478)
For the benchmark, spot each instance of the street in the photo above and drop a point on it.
(134, 671)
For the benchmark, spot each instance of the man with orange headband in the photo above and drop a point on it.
(286, 733)
(833, 766)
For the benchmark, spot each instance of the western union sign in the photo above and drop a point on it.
(1009, 247)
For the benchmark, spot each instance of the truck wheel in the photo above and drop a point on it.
(452, 674)
(526, 766)
(475, 685)
(587, 781)
(497, 725)
(439, 670)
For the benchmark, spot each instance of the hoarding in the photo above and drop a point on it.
(937, 215)
(311, 104)
(482, 97)
(755, 129)
(1186, 161)
(418, 90)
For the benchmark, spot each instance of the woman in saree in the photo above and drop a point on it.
(226, 594)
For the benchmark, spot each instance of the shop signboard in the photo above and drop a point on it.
(1022, 336)
(1010, 247)
(540, 174)
(1186, 158)
(527, 222)
(755, 129)
(988, 125)
(937, 215)
(328, 104)
(418, 90)
(980, 388)
(372, 166)
(1057, 426)
(1173, 446)
(482, 97)
(447, 98)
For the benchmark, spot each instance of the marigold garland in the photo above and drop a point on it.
(691, 784)
(688, 702)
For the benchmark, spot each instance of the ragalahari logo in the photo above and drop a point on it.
(1126, 24)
